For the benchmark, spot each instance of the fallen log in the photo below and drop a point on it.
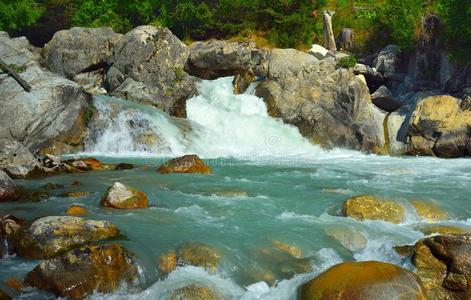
(7, 69)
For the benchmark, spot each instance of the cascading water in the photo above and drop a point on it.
(219, 124)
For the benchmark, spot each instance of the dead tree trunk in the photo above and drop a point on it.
(15, 76)
(329, 39)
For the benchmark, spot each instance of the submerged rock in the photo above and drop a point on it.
(7, 188)
(194, 292)
(168, 262)
(443, 263)
(78, 50)
(290, 249)
(82, 271)
(442, 229)
(369, 280)
(349, 238)
(200, 255)
(429, 211)
(185, 164)
(124, 166)
(75, 194)
(367, 207)
(49, 236)
(124, 197)
(76, 210)
(440, 127)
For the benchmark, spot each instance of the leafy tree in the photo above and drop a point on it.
(456, 15)
(17, 14)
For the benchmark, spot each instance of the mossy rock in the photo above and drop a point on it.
(368, 207)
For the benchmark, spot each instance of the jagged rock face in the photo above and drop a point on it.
(214, 59)
(77, 50)
(439, 127)
(80, 272)
(7, 188)
(154, 59)
(51, 115)
(49, 236)
(369, 280)
(330, 105)
(444, 265)
(16, 160)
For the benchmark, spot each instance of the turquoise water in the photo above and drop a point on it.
(246, 206)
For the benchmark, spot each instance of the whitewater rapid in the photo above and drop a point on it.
(219, 124)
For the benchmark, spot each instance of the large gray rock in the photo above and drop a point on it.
(330, 106)
(77, 50)
(7, 188)
(384, 99)
(374, 79)
(51, 116)
(155, 58)
(16, 160)
(214, 59)
(387, 62)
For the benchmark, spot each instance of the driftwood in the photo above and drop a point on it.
(15, 76)
(329, 39)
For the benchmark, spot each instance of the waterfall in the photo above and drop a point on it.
(219, 124)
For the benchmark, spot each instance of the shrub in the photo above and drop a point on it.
(347, 62)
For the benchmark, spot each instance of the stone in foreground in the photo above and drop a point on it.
(193, 292)
(185, 164)
(50, 236)
(369, 280)
(200, 255)
(124, 197)
(80, 272)
(367, 207)
(443, 264)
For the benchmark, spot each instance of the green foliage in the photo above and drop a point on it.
(179, 73)
(456, 16)
(103, 13)
(17, 14)
(347, 62)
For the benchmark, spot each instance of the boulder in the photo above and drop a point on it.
(48, 237)
(384, 99)
(7, 188)
(369, 280)
(429, 211)
(439, 127)
(91, 82)
(168, 262)
(83, 271)
(242, 82)
(374, 79)
(283, 261)
(367, 207)
(78, 50)
(318, 51)
(387, 62)
(443, 263)
(124, 197)
(214, 59)
(154, 59)
(185, 164)
(199, 254)
(76, 210)
(9, 227)
(16, 160)
(52, 115)
(194, 292)
(329, 105)
(124, 166)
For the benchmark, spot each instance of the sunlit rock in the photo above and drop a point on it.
(82, 271)
(200, 255)
(367, 207)
(168, 262)
(370, 280)
(49, 236)
(76, 210)
(429, 211)
(124, 197)
(194, 292)
(185, 164)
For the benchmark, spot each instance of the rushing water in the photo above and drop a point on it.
(271, 185)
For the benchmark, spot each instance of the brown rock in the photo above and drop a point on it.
(79, 272)
(364, 280)
(199, 254)
(442, 229)
(124, 197)
(15, 284)
(75, 194)
(443, 263)
(7, 188)
(429, 211)
(124, 166)
(185, 164)
(4, 296)
(168, 262)
(366, 207)
(48, 237)
(76, 210)
(94, 164)
(193, 292)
